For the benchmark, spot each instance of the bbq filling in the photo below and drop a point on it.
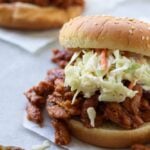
(46, 3)
(96, 87)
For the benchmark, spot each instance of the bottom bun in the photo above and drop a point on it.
(110, 136)
(31, 17)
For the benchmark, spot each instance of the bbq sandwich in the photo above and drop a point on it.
(102, 93)
(38, 14)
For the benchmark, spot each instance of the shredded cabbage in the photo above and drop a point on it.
(85, 74)
(143, 75)
(92, 115)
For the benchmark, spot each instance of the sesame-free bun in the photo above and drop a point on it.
(109, 136)
(31, 17)
(106, 32)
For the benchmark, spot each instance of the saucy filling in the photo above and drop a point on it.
(96, 87)
(44, 3)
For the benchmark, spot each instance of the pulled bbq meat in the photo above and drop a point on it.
(59, 102)
(140, 147)
(62, 135)
(44, 3)
(61, 57)
(37, 96)
(117, 114)
(91, 102)
(34, 113)
(52, 94)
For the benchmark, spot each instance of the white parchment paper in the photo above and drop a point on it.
(29, 41)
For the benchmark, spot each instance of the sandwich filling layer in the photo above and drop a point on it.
(96, 87)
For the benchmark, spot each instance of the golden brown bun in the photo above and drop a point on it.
(31, 17)
(107, 32)
(108, 136)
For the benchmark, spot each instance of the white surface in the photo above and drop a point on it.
(20, 70)
(29, 41)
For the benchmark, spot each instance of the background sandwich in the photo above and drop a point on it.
(38, 14)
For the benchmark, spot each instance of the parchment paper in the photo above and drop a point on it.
(47, 132)
(29, 41)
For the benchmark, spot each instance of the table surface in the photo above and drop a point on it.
(20, 70)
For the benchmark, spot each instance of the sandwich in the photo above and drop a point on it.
(101, 93)
(38, 14)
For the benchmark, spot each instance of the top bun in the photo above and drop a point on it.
(107, 32)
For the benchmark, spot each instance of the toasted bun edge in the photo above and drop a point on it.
(109, 137)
